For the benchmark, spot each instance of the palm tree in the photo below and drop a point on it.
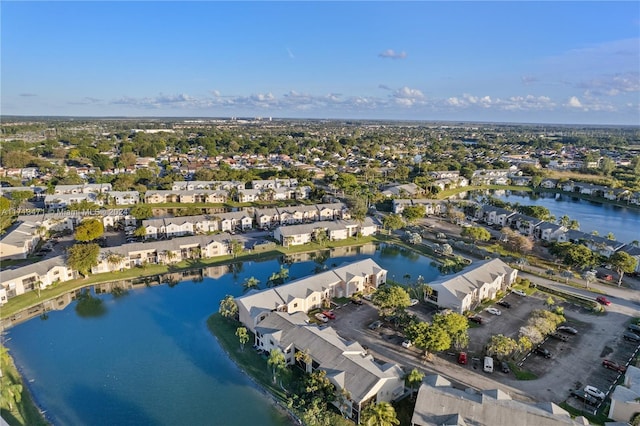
(303, 357)
(114, 260)
(414, 378)
(380, 414)
(250, 283)
(38, 286)
(564, 221)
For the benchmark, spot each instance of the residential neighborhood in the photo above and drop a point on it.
(128, 208)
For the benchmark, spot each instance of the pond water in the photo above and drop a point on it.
(592, 216)
(149, 359)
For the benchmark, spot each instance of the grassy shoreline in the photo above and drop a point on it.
(26, 411)
(30, 299)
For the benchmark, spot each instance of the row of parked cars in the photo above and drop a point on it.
(592, 395)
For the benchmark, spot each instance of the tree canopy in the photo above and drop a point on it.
(228, 307)
(623, 262)
(141, 211)
(476, 233)
(391, 297)
(89, 230)
(83, 257)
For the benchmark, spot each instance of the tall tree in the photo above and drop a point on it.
(391, 297)
(413, 213)
(501, 346)
(141, 211)
(277, 362)
(476, 233)
(236, 247)
(228, 307)
(89, 230)
(456, 325)
(392, 222)
(623, 262)
(83, 257)
(413, 379)
(243, 336)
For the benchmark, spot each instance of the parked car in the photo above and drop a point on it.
(477, 319)
(612, 365)
(407, 344)
(559, 336)
(567, 329)
(494, 311)
(543, 351)
(504, 303)
(634, 328)
(582, 395)
(375, 325)
(414, 302)
(357, 301)
(322, 317)
(462, 358)
(504, 366)
(604, 276)
(631, 337)
(594, 392)
(519, 292)
(329, 314)
(603, 300)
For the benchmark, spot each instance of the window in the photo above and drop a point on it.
(295, 305)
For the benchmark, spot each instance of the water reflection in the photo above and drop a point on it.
(398, 260)
(89, 306)
(623, 222)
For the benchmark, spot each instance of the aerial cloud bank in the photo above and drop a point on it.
(410, 100)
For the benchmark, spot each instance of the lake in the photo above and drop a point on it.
(592, 216)
(149, 359)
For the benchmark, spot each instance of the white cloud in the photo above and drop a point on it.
(574, 102)
(390, 53)
(612, 84)
(407, 99)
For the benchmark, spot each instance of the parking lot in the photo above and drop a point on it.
(574, 363)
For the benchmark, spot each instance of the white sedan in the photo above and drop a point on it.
(494, 311)
(519, 292)
(322, 317)
(413, 302)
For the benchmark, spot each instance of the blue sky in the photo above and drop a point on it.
(539, 62)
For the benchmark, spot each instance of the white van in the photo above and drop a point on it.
(488, 364)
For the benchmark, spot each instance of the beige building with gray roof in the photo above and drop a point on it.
(347, 364)
(462, 291)
(308, 293)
